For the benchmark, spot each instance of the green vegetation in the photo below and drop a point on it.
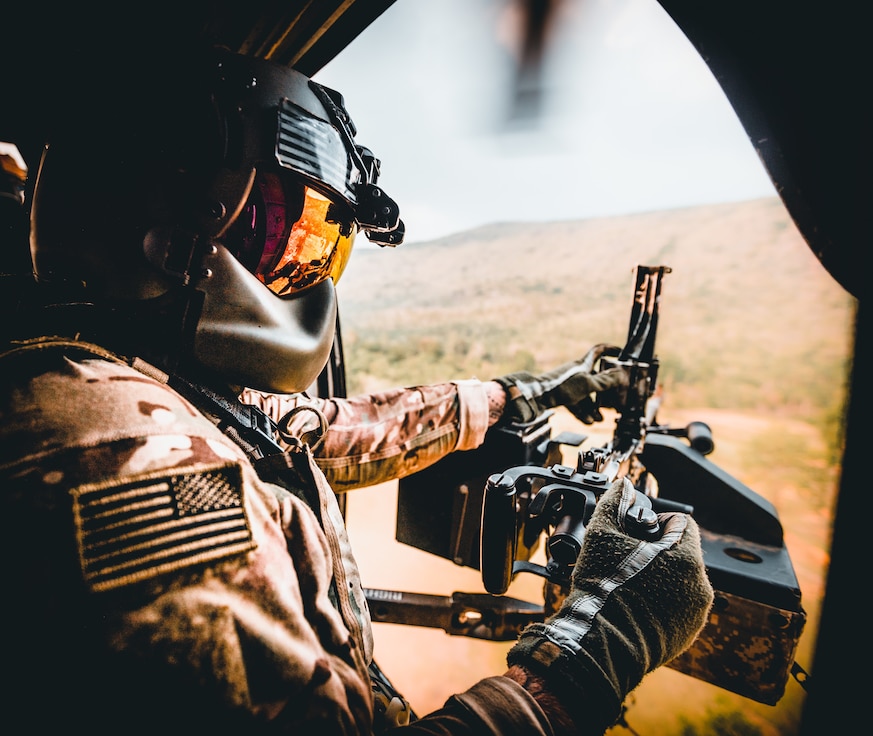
(723, 724)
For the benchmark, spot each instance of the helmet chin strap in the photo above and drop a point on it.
(175, 252)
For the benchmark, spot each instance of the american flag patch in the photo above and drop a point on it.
(136, 530)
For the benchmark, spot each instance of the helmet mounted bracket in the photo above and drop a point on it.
(376, 213)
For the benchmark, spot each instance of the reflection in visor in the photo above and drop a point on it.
(290, 236)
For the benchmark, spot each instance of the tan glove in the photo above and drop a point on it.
(633, 606)
(573, 385)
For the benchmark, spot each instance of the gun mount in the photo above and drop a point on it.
(490, 508)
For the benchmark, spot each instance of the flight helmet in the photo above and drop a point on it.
(203, 214)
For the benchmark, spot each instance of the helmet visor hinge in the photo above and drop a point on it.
(175, 252)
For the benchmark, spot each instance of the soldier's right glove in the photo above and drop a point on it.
(633, 605)
(574, 385)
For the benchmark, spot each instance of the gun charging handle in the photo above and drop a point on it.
(698, 434)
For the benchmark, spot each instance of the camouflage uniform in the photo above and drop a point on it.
(388, 435)
(160, 584)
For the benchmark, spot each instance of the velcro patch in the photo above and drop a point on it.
(132, 531)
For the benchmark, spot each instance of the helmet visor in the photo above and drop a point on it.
(290, 236)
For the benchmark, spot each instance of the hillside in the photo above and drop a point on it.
(749, 318)
(754, 339)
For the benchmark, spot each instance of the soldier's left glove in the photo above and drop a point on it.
(633, 605)
(574, 385)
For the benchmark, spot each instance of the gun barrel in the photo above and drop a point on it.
(640, 345)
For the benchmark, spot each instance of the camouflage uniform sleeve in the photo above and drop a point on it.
(495, 705)
(390, 434)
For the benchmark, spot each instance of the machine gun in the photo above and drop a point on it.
(561, 498)
(490, 508)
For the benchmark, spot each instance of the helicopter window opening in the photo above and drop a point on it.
(520, 231)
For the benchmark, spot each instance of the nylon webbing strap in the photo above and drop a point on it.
(253, 425)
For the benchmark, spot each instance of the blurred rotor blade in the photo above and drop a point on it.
(536, 19)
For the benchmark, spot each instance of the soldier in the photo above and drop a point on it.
(164, 570)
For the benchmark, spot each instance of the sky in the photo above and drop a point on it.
(630, 118)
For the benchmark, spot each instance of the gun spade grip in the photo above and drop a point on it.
(498, 533)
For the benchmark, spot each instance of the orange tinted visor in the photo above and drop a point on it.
(290, 236)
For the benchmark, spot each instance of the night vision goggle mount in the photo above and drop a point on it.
(377, 214)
